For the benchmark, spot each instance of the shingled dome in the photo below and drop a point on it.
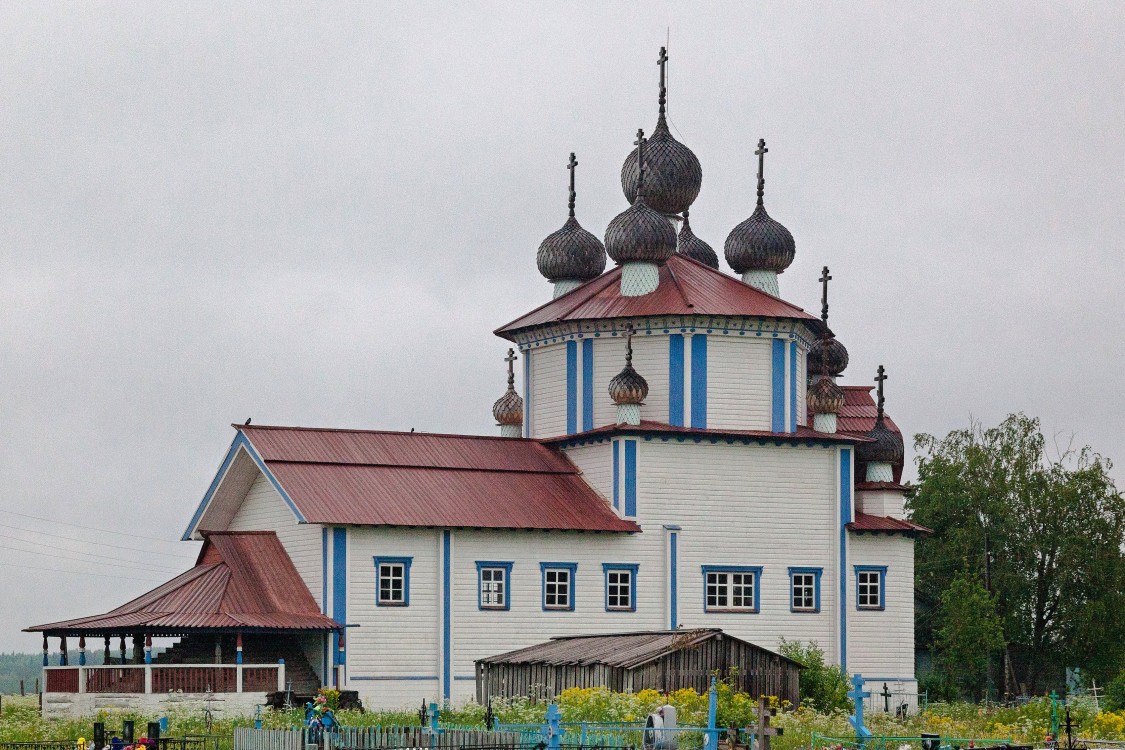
(692, 247)
(639, 234)
(885, 446)
(571, 253)
(827, 355)
(760, 244)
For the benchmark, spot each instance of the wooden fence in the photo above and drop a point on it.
(381, 738)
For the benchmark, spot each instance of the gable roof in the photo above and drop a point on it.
(241, 581)
(372, 478)
(687, 287)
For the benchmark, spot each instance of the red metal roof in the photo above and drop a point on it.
(687, 287)
(648, 426)
(241, 580)
(859, 414)
(374, 478)
(885, 524)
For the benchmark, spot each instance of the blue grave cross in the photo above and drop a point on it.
(857, 694)
(554, 727)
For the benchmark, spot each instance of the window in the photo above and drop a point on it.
(620, 587)
(731, 589)
(804, 589)
(493, 582)
(393, 581)
(870, 586)
(558, 585)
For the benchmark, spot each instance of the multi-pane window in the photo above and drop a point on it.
(558, 586)
(393, 580)
(804, 584)
(869, 588)
(494, 586)
(620, 587)
(731, 589)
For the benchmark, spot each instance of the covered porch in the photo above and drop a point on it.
(246, 626)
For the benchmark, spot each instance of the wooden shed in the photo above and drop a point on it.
(630, 662)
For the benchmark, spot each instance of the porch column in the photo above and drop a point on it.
(46, 662)
(238, 661)
(121, 645)
(281, 675)
(340, 659)
(105, 655)
(81, 650)
(148, 648)
(63, 660)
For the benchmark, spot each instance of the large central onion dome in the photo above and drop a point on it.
(571, 255)
(760, 248)
(639, 234)
(695, 248)
(672, 172)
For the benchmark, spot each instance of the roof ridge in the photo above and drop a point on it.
(676, 282)
(361, 431)
(489, 470)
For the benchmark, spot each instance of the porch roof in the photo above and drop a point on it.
(241, 581)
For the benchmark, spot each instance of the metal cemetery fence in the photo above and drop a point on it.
(383, 738)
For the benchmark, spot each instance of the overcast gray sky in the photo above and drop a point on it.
(315, 215)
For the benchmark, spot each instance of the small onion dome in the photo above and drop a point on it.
(508, 409)
(759, 244)
(825, 397)
(827, 355)
(627, 386)
(640, 235)
(571, 253)
(672, 172)
(695, 248)
(887, 446)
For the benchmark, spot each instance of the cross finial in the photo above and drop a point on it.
(824, 279)
(662, 61)
(879, 379)
(570, 165)
(510, 359)
(640, 144)
(629, 346)
(761, 154)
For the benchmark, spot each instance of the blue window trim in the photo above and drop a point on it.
(543, 568)
(632, 568)
(755, 569)
(507, 567)
(882, 571)
(630, 478)
(817, 572)
(405, 562)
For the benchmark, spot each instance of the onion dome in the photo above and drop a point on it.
(571, 253)
(673, 171)
(827, 356)
(825, 397)
(695, 248)
(639, 234)
(886, 446)
(508, 409)
(627, 386)
(760, 243)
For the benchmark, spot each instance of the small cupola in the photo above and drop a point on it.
(571, 256)
(886, 448)
(760, 248)
(692, 247)
(640, 239)
(673, 174)
(628, 389)
(508, 409)
(825, 400)
(827, 356)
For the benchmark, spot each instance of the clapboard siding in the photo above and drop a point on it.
(881, 643)
(596, 463)
(802, 385)
(880, 503)
(548, 391)
(650, 359)
(263, 510)
(738, 383)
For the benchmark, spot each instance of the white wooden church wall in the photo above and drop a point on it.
(802, 384)
(881, 642)
(880, 503)
(548, 391)
(739, 385)
(595, 461)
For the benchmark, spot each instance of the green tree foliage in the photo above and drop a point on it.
(1054, 522)
(823, 686)
(970, 634)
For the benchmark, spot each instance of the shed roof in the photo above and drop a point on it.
(365, 477)
(687, 287)
(865, 522)
(622, 650)
(241, 580)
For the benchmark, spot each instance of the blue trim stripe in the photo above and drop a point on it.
(447, 613)
(777, 380)
(673, 603)
(845, 517)
(792, 386)
(630, 478)
(243, 442)
(587, 384)
(393, 677)
(699, 381)
(324, 569)
(571, 387)
(676, 379)
(340, 575)
(527, 393)
(616, 474)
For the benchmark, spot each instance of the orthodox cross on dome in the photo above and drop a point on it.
(629, 347)
(662, 61)
(761, 154)
(824, 279)
(640, 144)
(511, 359)
(570, 165)
(879, 379)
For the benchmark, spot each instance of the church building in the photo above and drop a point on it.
(674, 450)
